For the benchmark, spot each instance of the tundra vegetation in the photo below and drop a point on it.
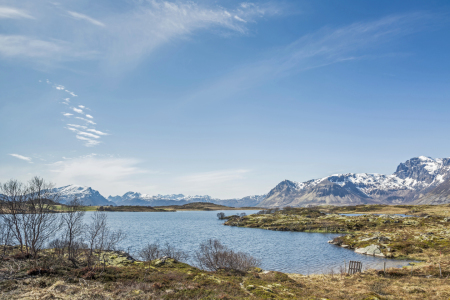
(85, 263)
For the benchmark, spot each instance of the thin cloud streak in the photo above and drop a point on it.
(86, 120)
(13, 13)
(130, 35)
(88, 142)
(25, 158)
(41, 50)
(80, 111)
(85, 18)
(320, 49)
(97, 132)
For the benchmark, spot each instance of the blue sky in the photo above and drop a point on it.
(225, 98)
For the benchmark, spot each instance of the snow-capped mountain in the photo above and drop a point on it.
(133, 198)
(410, 182)
(87, 195)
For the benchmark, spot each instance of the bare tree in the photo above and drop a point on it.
(13, 197)
(5, 235)
(214, 256)
(74, 227)
(171, 252)
(41, 222)
(150, 252)
(99, 237)
(95, 229)
(28, 209)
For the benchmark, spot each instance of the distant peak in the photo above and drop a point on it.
(425, 158)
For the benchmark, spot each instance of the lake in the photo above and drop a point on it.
(289, 252)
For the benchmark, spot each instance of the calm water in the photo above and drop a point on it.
(290, 252)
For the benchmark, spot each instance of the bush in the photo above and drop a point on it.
(214, 256)
(155, 251)
(150, 252)
(177, 255)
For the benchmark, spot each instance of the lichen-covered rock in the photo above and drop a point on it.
(370, 250)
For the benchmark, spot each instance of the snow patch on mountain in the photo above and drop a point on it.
(87, 195)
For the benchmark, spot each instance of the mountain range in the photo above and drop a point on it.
(89, 196)
(132, 198)
(419, 180)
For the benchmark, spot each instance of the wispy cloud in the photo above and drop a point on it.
(108, 174)
(43, 50)
(97, 132)
(123, 38)
(87, 141)
(85, 133)
(16, 45)
(25, 158)
(90, 135)
(86, 120)
(77, 126)
(320, 49)
(13, 13)
(85, 18)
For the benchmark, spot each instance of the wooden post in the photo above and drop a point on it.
(440, 270)
(384, 268)
(412, 269)
(345, 267)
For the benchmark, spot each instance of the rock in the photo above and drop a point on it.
(383, 239)
(410, 222)
(158, 262)
(367, 239)
(370, 250)
(344, 246)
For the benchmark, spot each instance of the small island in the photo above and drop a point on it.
(194, 206)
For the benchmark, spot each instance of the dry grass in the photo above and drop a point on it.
(180, 281)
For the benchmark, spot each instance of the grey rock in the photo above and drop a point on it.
(370, 250)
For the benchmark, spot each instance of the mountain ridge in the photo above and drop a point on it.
(411, 182)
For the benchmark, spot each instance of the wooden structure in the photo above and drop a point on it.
(354, 267)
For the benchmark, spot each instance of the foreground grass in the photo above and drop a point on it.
(123, 278)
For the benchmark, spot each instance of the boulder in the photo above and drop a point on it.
(370, 250)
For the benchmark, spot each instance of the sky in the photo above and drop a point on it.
(221, 98)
